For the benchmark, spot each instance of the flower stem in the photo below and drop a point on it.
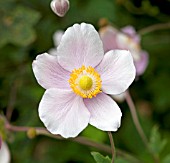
(135, 118)
(138, 126)
(112, 146)
(80, 139)
(154, 27)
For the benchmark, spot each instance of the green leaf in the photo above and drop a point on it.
(100, 158)
(156, 143)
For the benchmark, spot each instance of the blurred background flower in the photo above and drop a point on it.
(126, 39)
(56, 40)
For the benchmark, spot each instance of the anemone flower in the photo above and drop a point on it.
(126, 39)
(78, 79)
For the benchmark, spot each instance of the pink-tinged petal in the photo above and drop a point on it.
(127, 43)
(63, 112)
(108, 36)
(130, 31)
(49, 73)
(142, 63)
(117, 71)
(105, 113)
(80, 45)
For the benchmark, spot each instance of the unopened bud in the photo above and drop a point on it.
(31, 133)
(60, 7)
(103, 22)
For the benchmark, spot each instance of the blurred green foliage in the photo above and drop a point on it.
(16, 24)
(156, 143)
(26, 29)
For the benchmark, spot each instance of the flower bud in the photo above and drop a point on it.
(103, 22)
(60, 7)
(31, 133)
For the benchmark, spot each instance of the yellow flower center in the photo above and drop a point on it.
(85, 82)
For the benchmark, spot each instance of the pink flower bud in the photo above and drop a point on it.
(60, 7)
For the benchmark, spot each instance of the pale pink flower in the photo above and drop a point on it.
(77, 80)
(60, 7)
(126, 39)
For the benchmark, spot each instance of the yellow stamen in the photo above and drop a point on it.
(85, 82)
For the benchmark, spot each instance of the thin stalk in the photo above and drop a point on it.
(80, 139)
(135, 118)
(138, 126)
(154, 27)
(112, 146)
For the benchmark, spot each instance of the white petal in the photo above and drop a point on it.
(4, 153)
(63, 112)
(80, 45)
(49, 73)
(117, 71)
(105, 113)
